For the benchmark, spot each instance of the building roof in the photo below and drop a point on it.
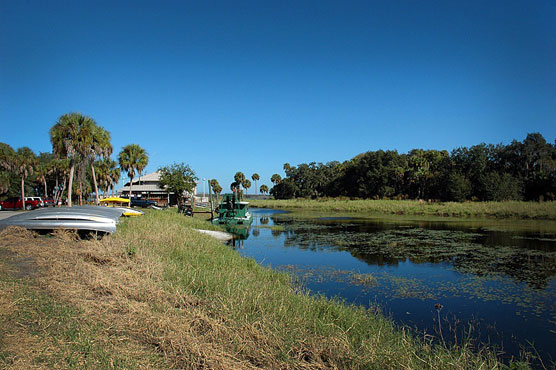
(150, 177)
(144, 187)
(149, 183)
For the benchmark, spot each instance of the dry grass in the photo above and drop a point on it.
(158, 295)
(126, 298)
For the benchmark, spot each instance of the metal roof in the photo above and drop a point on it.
(149, 183)
(150, 177)
(144, 187)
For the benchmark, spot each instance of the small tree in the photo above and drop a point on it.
(4, 182)
(100, 146)
(72, 138)
(115, 174)
(23, 164)
(132, 158)
(7, 155)
(255, 177)
(459, 187)
(216, 188)
(43, 169)
(276, 179)
(284, 190)
(246, 185)
(177, 178)
(239, 178)
(264, 189)
(104, 168)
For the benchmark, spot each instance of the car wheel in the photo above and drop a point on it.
(29, 207)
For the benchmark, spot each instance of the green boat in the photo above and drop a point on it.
(232, 211)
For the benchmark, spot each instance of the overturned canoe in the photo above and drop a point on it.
(91, 218)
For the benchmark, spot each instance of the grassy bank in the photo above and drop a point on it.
(157, 294)
(523, 210)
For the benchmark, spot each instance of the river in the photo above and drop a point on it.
(492, 282)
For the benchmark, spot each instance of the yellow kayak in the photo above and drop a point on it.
(120, 203)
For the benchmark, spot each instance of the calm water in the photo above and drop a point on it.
(495, 280)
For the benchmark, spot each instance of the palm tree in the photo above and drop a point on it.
(276, 179)
(4, 182)
(246, 185)
(60, 167)
(255, 177)
(216, 188)
(132, 158)
(108, 173)
(100, 146)
(103, 174)
(6, 153)
(143, 162)
(264, 189)
(82, 165)
(239, 178)
(72, 138)
(115, 174)
(23, 164)
(6, 159)
(41, 172)
(44, 169)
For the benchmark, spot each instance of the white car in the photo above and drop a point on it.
(38, 199)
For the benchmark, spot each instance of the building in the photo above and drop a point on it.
(147, 187)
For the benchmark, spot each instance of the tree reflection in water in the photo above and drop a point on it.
(522, 257)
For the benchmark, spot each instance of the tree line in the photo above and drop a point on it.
(240, 181)
(523, 170)
(79, 164)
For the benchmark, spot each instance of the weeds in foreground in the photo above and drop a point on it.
(183, 300)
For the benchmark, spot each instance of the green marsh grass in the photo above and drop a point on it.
(184, 300)
(510, 209)
(273, 324)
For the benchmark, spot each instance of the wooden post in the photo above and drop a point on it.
(192, 204)
(210, 202)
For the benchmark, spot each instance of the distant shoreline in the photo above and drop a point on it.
(499, 210)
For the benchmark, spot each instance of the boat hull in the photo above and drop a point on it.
(91, 218)
(247, 220)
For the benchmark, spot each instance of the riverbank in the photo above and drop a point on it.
(511, 209)
(158, 294)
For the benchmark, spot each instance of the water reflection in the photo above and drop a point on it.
(523, 257)
(498, 276)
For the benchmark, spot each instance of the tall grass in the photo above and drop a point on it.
(159, 294)
(510, 209)
(271, 324)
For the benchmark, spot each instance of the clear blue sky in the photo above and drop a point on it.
(230, 86)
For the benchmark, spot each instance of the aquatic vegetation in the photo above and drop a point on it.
(363, 279)
(495, 275)
(391, 244)
(392, 287)
(274, 227)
